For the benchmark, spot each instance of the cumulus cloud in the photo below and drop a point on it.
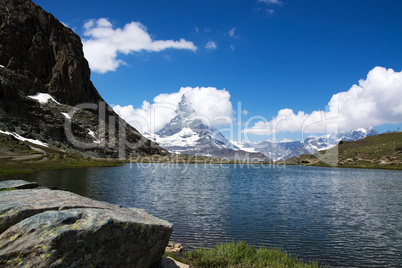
(103, 43)
(211, 45)
(208, 102)
(271, 2)
(375, 101)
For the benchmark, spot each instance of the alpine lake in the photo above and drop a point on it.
(335, 216)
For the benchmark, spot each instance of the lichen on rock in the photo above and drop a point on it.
(51, 228)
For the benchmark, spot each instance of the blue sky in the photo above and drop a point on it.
(269, 55)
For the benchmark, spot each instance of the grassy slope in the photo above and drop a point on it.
(379, 151)
(23, 157)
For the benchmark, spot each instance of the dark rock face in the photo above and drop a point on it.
(37, 46)
(51, 228)
(38, 54)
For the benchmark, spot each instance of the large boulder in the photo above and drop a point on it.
(52, 228)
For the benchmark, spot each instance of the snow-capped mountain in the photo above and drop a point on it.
(273, 150)
(285, 150)
(187, 133)
(314, 144)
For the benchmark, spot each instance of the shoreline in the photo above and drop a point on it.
(12, 167)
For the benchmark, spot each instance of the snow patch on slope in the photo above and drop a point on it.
(92, 134)
(66, 115)
(19, 137)
(43, 98)
(244, 147)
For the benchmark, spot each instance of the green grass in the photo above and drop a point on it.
(241, 254)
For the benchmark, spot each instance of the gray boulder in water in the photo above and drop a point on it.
(51, 228)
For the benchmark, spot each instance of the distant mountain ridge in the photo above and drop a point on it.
(286, 150)
(186, 133)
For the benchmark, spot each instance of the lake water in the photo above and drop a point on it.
(340, 217)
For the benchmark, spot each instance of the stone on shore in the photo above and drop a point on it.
(168, 262)
(52, 228)
(174, 248)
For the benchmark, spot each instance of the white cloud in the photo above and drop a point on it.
(103, 43)
(232, 33)
(211, 45)
(271, 2)
(270, 11)
(212, 104)
(375, 101)
(232, 47)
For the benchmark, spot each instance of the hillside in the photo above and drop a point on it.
(18, 156)
(46, 93)
(378, 151)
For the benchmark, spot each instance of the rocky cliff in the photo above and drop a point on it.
(41, 58)
(40, 227)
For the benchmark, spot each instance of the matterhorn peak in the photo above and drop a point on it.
(188, 133)
(185, 108)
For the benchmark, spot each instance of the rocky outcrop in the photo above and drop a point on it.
(40, 227)
(37, 46)
(38, 54)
